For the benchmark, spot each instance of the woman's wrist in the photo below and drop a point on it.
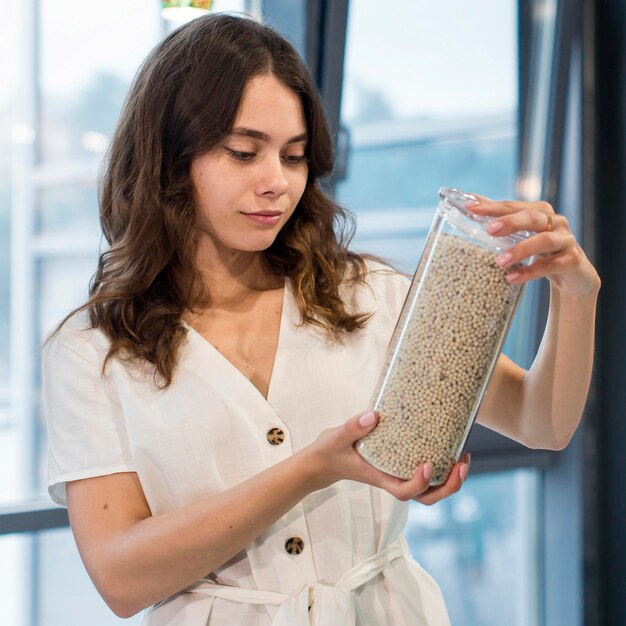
(313, 470)
(583, 284)
(589, 295)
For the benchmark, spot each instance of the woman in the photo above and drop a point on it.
(197, 402)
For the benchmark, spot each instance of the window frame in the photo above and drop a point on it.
(541, 156)
(324, 47)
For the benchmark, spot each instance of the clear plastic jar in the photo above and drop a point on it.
(445, 345)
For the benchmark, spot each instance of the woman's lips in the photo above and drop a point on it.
(269, 218)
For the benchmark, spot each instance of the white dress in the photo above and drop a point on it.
(211, 430)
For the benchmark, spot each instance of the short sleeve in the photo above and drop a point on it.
(86, 429)
(390, 289)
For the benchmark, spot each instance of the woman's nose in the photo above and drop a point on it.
(272, 179)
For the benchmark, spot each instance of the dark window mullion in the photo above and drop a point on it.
(32, 517)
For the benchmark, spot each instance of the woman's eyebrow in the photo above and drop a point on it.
(257, 134)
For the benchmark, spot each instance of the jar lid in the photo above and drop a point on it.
(452, 206)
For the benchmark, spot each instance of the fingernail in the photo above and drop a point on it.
(463, 471)
(472, 204)
(428, 470)
(504, 258)
(494, 227)
(513, 276)
(367, 419)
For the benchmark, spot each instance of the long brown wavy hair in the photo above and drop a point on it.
(182, 103)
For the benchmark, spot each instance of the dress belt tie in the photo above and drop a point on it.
(329, 604)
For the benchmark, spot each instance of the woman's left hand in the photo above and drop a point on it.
(559, 257)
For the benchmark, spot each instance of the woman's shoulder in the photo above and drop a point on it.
(383, 288)
(379, 271)
(385, 280)
(79, 336)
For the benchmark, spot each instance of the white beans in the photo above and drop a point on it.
(446, 346)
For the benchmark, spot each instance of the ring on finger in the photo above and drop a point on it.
(550, 226)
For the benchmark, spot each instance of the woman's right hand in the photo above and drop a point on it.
(337, 459)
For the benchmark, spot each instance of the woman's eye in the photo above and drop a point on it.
(241, 156)
(295, 159)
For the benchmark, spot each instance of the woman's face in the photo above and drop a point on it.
(248, 186)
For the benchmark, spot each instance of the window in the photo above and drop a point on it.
(65, 69)
(480, 546)
(430, 99)
(444, 111)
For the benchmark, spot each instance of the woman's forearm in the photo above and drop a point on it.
(541, 408)
(136, 559)
(554, 390)
(161, 555)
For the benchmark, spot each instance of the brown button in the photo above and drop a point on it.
(275, 436)
(294, 545)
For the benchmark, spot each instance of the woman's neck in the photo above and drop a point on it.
(231, 277)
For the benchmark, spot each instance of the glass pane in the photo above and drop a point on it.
(12, 462)
(14, 574)
(5, 279)
(425, 107)
(67, 596)
(391, 186)
(408, 60)
(481, 546)
(8, 70)
(68, 211)
(63, 285)
(43, 582)
(89, 54)
(404, 172)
